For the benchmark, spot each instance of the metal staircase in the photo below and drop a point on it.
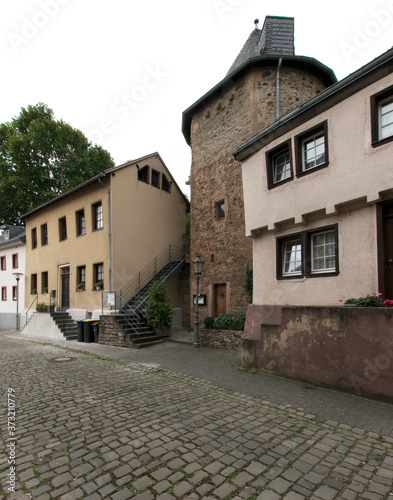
(131, 300)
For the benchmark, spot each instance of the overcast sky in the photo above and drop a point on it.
(123, 71)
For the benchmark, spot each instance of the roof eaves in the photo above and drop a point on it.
(64, 195)
(330, 78)
(260, 139)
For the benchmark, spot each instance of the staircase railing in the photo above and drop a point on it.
(134, 289)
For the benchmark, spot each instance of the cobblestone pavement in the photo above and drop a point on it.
(93, 427)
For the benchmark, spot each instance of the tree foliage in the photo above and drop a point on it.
(40, 158)
(159, 308)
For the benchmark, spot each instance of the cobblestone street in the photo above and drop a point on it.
(92, 427)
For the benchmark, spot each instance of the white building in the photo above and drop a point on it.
(12, 260)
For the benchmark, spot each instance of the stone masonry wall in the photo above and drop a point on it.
(112, 334)
(230, 118)
(222, 339)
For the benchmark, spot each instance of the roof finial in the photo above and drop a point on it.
(256, 22)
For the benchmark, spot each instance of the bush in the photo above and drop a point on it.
(208, 322)
(41, 307)
(159, 308)
(370, 300)
(230, 322)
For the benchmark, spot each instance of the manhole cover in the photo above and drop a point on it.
(61, 360)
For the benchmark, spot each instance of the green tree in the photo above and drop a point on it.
(40, 158)
(159, 308)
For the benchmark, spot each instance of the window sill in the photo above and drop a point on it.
(311, 170)
(280, 183)
(375, 144)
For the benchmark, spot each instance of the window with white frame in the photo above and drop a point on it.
(323, 252)
(382, 117)
(292, 257)
(312, 149)
(279, 164)
(308, 254)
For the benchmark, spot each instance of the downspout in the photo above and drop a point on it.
(109, 234)
(278, 89)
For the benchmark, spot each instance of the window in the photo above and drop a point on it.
(219, 209)
(166, 186)
(15, 263)
(382, 117)
(308, 254)
(312, 149)
(99, 275)
(62, 229)
(279, 164)
(3, 263)
(3, 293)
(292, 257)
(14, 292)
(44, 282)
(33, 284)
(80, 223)
(34, 237)
(143, 174)
(98, 222)
(155, 178)
(81, 278)
(44, 234)
(323, 252)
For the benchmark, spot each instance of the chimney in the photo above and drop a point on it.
(277, 36)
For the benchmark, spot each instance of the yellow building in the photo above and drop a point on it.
(100, 234)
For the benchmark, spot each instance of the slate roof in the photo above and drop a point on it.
(15, 233)
(275, 38)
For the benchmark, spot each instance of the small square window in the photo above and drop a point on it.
(382, 117)
(3, 263)
(279, 164)
(312, 149)
(15, 263)
(143, 174)
(3, 293)
(219, 208)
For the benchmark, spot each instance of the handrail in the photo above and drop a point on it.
(136, 291)
(31, 305)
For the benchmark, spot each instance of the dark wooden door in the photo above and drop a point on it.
(220, 299)
(388, 249)
(65, 287)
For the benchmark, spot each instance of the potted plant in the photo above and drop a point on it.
(80, 287)
(41, 307)
(51, 307)
(34, 291)
(98, 285)
(45, 290)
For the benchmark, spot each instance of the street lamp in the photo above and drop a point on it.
(17, 276)
(198, 268)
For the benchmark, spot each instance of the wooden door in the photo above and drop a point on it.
(65, 287)
(220, 299)
(388, 250)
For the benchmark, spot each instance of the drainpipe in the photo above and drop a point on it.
(278, 88)
(109, 234)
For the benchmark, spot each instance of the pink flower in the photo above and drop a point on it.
(341, 300)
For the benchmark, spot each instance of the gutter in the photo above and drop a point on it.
(109, 233)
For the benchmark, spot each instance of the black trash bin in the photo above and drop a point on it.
(79, 330)
(96, 330)
(88, 335)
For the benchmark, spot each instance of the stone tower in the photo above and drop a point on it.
(265, 81)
